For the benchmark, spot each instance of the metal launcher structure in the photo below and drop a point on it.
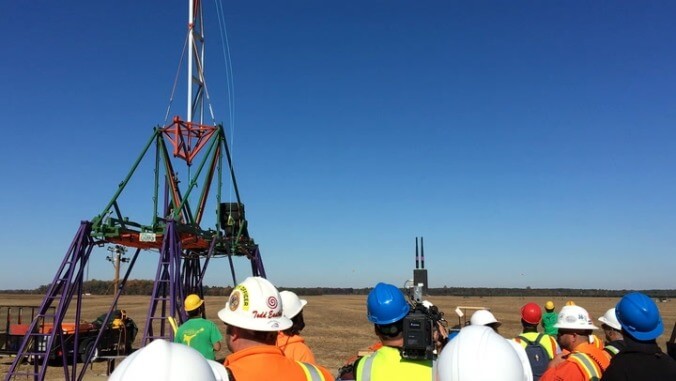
(174, 231)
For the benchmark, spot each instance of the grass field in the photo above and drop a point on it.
(336, 325)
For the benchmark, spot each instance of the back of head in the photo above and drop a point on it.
(610, 319)
(531, 313)
(639, 316)
(291, 304)
(477, 353)
(386, 304)
(574, 318)
(483, 317)
(163, 360)
(549, 306)
(255, 304)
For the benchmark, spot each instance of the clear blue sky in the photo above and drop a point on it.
(531, 143)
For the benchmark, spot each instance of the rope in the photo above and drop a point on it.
(229, 77)
(178, 71)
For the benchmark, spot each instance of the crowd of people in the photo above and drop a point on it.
(263, 329)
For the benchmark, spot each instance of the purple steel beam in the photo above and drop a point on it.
(167, 287)
(66, 284)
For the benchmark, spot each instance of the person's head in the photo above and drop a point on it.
(574, 327)
(639, 317)
(478, 353)
(531, 314)
(610, 326)
(293, 306)
(570, 303)
(253, 314)
(549, 306)
(485, 317)
(386, 307)
(164, 360)
(193, 305)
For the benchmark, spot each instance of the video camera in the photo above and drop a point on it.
(419, 328)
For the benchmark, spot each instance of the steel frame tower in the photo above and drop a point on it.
(174, 230)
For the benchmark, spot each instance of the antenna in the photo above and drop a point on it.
(420, 272)
(416, 253)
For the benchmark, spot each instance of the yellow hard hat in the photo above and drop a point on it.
(549, 305)
(192, 302)
(570, 303)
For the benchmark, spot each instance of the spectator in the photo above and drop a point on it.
(478, 353)
(549, 319)
(290, 341)
(253, 315)
(540, 347)
(162, 360)
(485, 317)
(197, 332)
(642, 358)
(584, 361)
(613, 331)
(386, 308)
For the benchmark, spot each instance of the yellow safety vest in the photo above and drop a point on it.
(386, 364)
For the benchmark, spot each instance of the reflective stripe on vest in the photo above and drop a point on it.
(611, 349)
(365, 374)
(591, 369)
(311, 372)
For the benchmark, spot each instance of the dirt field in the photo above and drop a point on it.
(336, 326)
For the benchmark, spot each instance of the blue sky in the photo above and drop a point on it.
(531, 143)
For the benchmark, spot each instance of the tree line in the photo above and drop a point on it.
(145, 287)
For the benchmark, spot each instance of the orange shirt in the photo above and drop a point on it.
(571, 370)
(294, 347)
(267, 362)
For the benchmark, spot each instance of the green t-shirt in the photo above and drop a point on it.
(200, 334)
(548, 321)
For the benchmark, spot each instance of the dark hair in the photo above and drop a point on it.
(195, 313)
(390, 330)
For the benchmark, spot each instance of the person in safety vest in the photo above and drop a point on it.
(164, 360)
(197, 332)
(478, 353)
(549, 319)
(583, 361)
(540, 347)
(386, 308)
(253, 316)
(613, 331)
(642, 358)
(290, 341)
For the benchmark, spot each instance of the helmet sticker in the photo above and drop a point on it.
(272, 302)
(234, 300)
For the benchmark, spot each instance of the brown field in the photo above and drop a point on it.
(336, 325)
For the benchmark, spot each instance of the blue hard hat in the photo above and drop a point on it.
(386, 304)
(639, 317)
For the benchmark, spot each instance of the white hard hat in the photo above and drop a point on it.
(574, 317)
(483, 317)
(255, 304)
(477, 353)
(291, 303)
(163, 360)
(220, 374)
(427, 304)
(610, 319)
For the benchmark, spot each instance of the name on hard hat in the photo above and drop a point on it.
(266, 315)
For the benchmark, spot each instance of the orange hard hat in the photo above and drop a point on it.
(531, 313)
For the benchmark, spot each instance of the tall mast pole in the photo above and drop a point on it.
(195, 62)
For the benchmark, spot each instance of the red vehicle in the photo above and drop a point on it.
(116, 340)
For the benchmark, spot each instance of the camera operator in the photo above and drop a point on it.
(387, 309)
